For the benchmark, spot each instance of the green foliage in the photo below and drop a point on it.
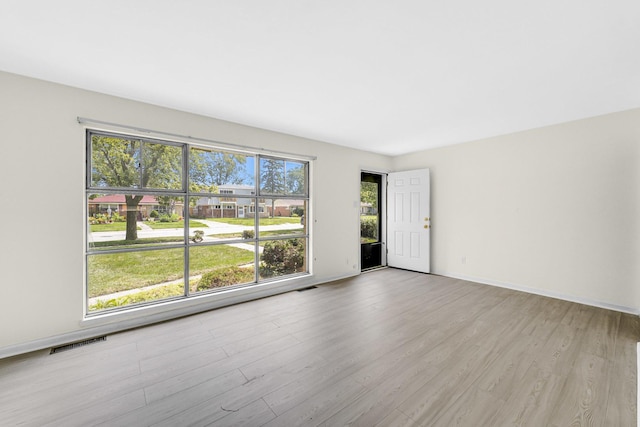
(101, 219)
(131, 163)
(297, 211)
(283, 257)
(116, 217)
(154, 214)
(272, 176)
(295, 178)
(116, 163)
(369, 193)
(98, 219)
(161, 292)
(222, 277)
(248, 234)
(369, 227)
(209, 169)
(113, 161)
(169, 218)
(198, 236)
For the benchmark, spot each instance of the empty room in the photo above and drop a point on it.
(299, 213)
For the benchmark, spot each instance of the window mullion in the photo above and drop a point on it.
(186, 216)
(256, 219)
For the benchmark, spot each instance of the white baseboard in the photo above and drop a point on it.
(121, 321)
(551, 294)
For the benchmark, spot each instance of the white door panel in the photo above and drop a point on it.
(408, 222)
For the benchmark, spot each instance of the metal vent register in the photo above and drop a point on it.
(77, 344)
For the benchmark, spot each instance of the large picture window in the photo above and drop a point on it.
(168, 220)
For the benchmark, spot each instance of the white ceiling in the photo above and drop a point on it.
(385, 76)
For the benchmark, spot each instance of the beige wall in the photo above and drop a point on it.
(553, 210)
(42, 175)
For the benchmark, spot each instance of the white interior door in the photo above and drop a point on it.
(408, 220)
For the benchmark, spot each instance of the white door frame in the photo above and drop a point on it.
(383, 215)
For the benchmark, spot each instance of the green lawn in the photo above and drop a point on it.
(114, 226)
(263, 221)
(141, 242)
(157, 225)
(110, 273)
(262, 234)
(218, 278)
(173, 290)
(227, 236)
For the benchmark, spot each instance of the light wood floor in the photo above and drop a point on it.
(388, 348)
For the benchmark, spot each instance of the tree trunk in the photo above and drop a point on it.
(132, 216)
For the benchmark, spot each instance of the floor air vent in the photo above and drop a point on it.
(77, 344)
(307, 289)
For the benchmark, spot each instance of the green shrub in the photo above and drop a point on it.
(98, 219)
(222, 277)
(154, 214)
(248, 234)
(369, 228)
(116, 217)
(283, 257)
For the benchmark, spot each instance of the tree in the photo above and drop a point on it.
(208, 168)
(272, 178)
(129, 163)
(296, 179)
(369, 193)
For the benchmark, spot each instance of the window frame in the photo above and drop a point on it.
(185, 192)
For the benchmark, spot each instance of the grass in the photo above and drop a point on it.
(114, 226)
(109, 273)
(227, 235)
(262, 234)
(139, 242)
(156, 225)
(263, 221)
(216, 278)
(161, 292)
(281, 232)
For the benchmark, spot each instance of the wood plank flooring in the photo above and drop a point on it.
(387, 348)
